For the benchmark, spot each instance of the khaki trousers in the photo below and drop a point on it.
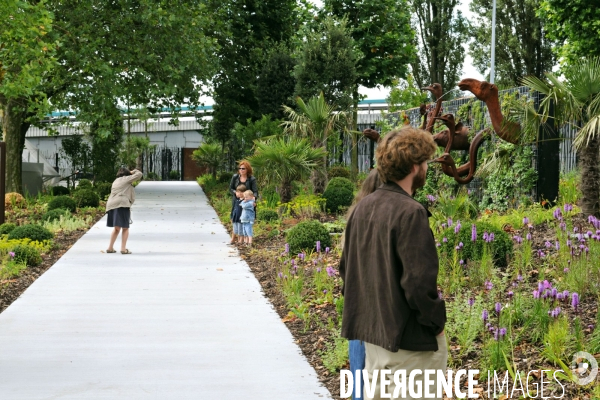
(378, 358)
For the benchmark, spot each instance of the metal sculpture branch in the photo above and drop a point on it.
(456, 137)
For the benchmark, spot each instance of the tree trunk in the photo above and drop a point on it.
(354, 154)
(14, 129)
(319, 180)
(286, 192)
(589, 161)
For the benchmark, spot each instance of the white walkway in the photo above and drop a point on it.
(180, 318)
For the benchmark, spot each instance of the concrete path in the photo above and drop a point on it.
(181, 318)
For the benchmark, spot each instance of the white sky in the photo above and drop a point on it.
(469, 70)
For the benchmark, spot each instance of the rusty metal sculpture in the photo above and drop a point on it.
(456, 137)
(488, 93)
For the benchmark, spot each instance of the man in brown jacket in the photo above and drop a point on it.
(389, 266)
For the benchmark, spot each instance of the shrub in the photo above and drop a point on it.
(174, 175)
(341, 182)
(152, 176)
(103, 189)
(86, 198)
(339, 172)
(31, 231)
(337, 197)
(84, 184)
(225, 177)
(59, 191)
(267, 215)
(502, 246)
(62, 202)
(27, 254)
(14, 200)
(305, 235)
(7, 228)
(55, 214)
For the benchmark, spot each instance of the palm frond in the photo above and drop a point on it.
(587, 133)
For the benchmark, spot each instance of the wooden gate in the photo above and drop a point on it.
(191, 170)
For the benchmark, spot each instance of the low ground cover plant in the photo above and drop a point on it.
(31, 231)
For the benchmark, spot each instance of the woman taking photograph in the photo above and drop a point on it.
(243, 177)
(122, 196)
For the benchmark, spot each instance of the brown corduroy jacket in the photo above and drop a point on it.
(389, 266)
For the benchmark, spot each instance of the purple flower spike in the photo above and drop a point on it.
(457, 227)
(575, 301)
(444, 225)
(326, 250)
(324, 291)
(280, 275)
(566, 294)
(510, 294)
(563, 226)
(565, 270)
(318, 269)
(520, 278)
(546, 284)
(548, 244)
(557, 246)
(449, 222)
(318, 246)
(502, 332)
(536, 294)
(11, 254)
(528, 237)
(484, 315)
(488, 285)
(461, 262)
(525, 220)
(485, 236)
(473, 233)
(554, 293)
(445, 240)
(557, 213)
(498, 308)
(287, 248)
(331, 271)
(438, 244)
(471, 302)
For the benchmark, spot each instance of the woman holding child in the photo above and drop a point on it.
(241, 182)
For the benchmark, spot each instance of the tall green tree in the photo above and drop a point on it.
(575, 25)
(276, 83)
(522, 45)
(27, 57)
(574, 100)
(243, 30)
(139, 52)
(382, 32)
(327, 63)
(441, 32)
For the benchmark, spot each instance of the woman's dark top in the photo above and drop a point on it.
(250, 185)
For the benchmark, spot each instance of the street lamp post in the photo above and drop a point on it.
(493, 67)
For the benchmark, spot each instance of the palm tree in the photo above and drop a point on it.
(284, 160)
(576, 101)
(209, 155)
(316, 120)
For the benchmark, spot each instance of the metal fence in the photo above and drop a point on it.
(160, 163)
(164, 163)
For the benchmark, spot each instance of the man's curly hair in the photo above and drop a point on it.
(400, 149)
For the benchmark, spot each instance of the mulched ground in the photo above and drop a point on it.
(12, 289)
(312, 341)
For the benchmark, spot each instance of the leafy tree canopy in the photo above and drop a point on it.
(522, 45)
(575, 24)
(327, 63)
(442, 31)
(382, 33)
